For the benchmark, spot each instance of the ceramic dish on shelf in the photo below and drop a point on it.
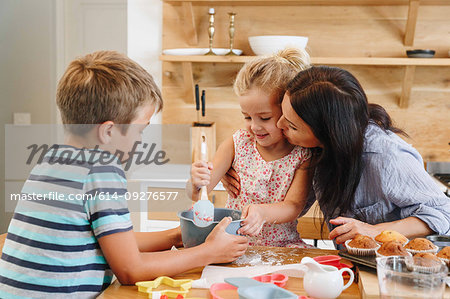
(199, 51)
(420, 53)
(270, 44)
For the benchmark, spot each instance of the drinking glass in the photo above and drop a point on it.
(398, 277)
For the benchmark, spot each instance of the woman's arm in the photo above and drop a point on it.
(409, 187)
(281, 212)
(204, 175)
(232, 183)
(423, 208)
(410, 227)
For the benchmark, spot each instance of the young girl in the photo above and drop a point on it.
(274, 181)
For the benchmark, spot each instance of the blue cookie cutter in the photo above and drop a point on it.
(251, 289)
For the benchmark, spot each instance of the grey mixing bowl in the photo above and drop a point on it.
(192, 235)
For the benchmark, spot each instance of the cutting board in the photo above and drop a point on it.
(368, 284)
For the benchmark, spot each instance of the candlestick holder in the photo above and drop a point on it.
(231, 33)
(211, 13)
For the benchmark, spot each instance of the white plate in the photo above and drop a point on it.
(199, 51)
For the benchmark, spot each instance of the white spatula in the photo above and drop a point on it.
(203, 209)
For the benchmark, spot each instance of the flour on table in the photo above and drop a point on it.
(255, 259)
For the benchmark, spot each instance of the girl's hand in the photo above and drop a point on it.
(349, 227)
(200, 174)
(231, 183)
(253, 220)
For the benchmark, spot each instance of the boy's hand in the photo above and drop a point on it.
(200, 174)
(253, 220)
(231, 246)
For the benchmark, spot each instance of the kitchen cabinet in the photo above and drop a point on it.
(367, 37)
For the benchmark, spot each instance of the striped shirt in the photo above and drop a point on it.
(70, 199)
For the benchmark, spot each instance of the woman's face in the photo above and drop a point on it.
(294, 128)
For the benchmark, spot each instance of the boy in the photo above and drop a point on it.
(72, 248)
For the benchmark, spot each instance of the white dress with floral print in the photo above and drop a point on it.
(265, 183)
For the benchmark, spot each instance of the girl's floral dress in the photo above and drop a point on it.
(265, 183)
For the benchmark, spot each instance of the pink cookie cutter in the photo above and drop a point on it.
(216, 287)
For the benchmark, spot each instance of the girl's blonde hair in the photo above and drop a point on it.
(272, 73)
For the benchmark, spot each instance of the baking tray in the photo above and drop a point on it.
(440, 240)
(368, 261)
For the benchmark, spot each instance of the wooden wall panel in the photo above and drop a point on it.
(352, 31)
(332, 30)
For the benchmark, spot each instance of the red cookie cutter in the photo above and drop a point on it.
(276, 278)
(332, 260)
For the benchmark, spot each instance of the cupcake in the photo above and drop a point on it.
(444, 255)
(391, 235)
(425, 262)
(392, 248)
(361, 245)
(421, 245)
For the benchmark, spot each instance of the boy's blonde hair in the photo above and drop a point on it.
(272, 73)
(102, 86)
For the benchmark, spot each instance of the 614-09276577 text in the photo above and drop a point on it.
(166, 195)
(156, 196)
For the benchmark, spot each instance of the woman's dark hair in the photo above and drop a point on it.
(332, 102)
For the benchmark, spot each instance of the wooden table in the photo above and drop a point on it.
(272, 255)
(2, 241)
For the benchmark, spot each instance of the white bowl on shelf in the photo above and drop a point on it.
(199, 51)
(270, 44)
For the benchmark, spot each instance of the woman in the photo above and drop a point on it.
(366, 178)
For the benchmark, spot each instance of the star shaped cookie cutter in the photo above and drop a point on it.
(149, 286)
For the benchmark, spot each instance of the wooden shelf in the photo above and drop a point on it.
(388, 61)
(408, 79)
(411, 19)
(309, 2)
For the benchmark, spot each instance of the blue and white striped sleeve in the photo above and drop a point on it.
(410, 187)
(105, 204)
